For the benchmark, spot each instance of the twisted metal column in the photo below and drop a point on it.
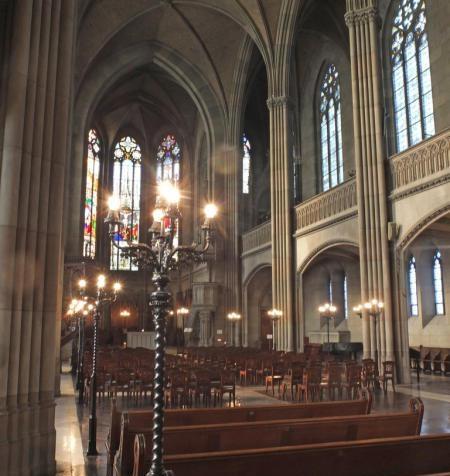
(159, 302)
(80, 367)
(92, 443)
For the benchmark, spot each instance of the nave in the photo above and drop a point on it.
(72, 418)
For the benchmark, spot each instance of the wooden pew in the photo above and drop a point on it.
(259, 435)
(405, 456)
(125, 425)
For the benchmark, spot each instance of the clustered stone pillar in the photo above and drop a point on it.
(363, 22)
(205, 328)
(281, 202)
(33, 159)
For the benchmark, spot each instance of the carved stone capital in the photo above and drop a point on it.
(365, 15)
(278, 101)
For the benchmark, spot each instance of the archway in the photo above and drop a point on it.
(256, 325)
(331, 274)
(423, 289)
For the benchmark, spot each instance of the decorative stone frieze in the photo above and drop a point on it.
(327, 205)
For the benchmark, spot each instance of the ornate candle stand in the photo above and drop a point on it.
(275, 315)
(160, 256)
(328, 311)
(103, 298)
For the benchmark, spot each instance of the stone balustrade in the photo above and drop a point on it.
(256, 237)
(422, 161)
(327, 205)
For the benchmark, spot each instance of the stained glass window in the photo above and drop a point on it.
(168, 160)
(246, 159)
(168, 168)
(330, 291)
(438, 283)
(412, 283)
(411, 75)
(127, 186)
(345, 288)
(330, 129)
(91, 194)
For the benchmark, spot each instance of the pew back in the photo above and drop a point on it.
(404, 456)
(121, 436)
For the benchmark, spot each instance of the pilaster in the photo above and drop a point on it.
(363, 22)
(281, 219)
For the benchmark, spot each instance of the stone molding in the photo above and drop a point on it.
(418, 163)
(327, 205)
(278, 101)
(259, 236)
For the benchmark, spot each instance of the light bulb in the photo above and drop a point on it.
(117, 287)
(211, 210)
(158, 214)
(169, 192)
(82, 283)
(101, 281)
(114, 203)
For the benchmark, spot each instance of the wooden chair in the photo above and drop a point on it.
(332, 381)
(202, 388)
(248, 372)
(121, 383)
(352, 380)
(292, 380)
(275, 377)
(176, 392)
(369, 373)
(388, 374)
(309, 389)
(227, 386)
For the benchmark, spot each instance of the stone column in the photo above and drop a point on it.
(37, 111)
(205, 328)
(363, 23)
(281, 219)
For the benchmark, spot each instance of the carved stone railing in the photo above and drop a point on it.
(256, 237)
(327, 205)
(422, 161)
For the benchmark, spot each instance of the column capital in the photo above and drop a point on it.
(361, 11)
(277, 101)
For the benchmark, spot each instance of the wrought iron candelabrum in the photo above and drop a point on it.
(104, 297)
(160, 256)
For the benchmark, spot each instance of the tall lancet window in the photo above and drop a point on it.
(168, 160)
(411, 76)
(345, 292)
(438, 283)
(246, 161)
(127, 186)
(330, 129)
(412, 287)
(91, 194)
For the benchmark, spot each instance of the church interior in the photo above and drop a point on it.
(226, 237)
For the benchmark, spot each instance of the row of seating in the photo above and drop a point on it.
(430, 360)
(224, 441)
(127, 424)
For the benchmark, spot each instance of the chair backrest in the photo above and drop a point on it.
(312, 375)
(388, 368)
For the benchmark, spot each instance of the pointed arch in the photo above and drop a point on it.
(332, 162)
(127, 161)
(412, 287)
(92, 181)
(411, 75)
(438, 284)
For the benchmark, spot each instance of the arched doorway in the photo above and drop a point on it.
(256, 325)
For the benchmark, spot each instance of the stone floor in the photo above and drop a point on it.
(72, 421)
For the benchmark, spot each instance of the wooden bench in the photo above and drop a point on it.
(405, 456)
(135, 421)
(258, 435)
(124, 426)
